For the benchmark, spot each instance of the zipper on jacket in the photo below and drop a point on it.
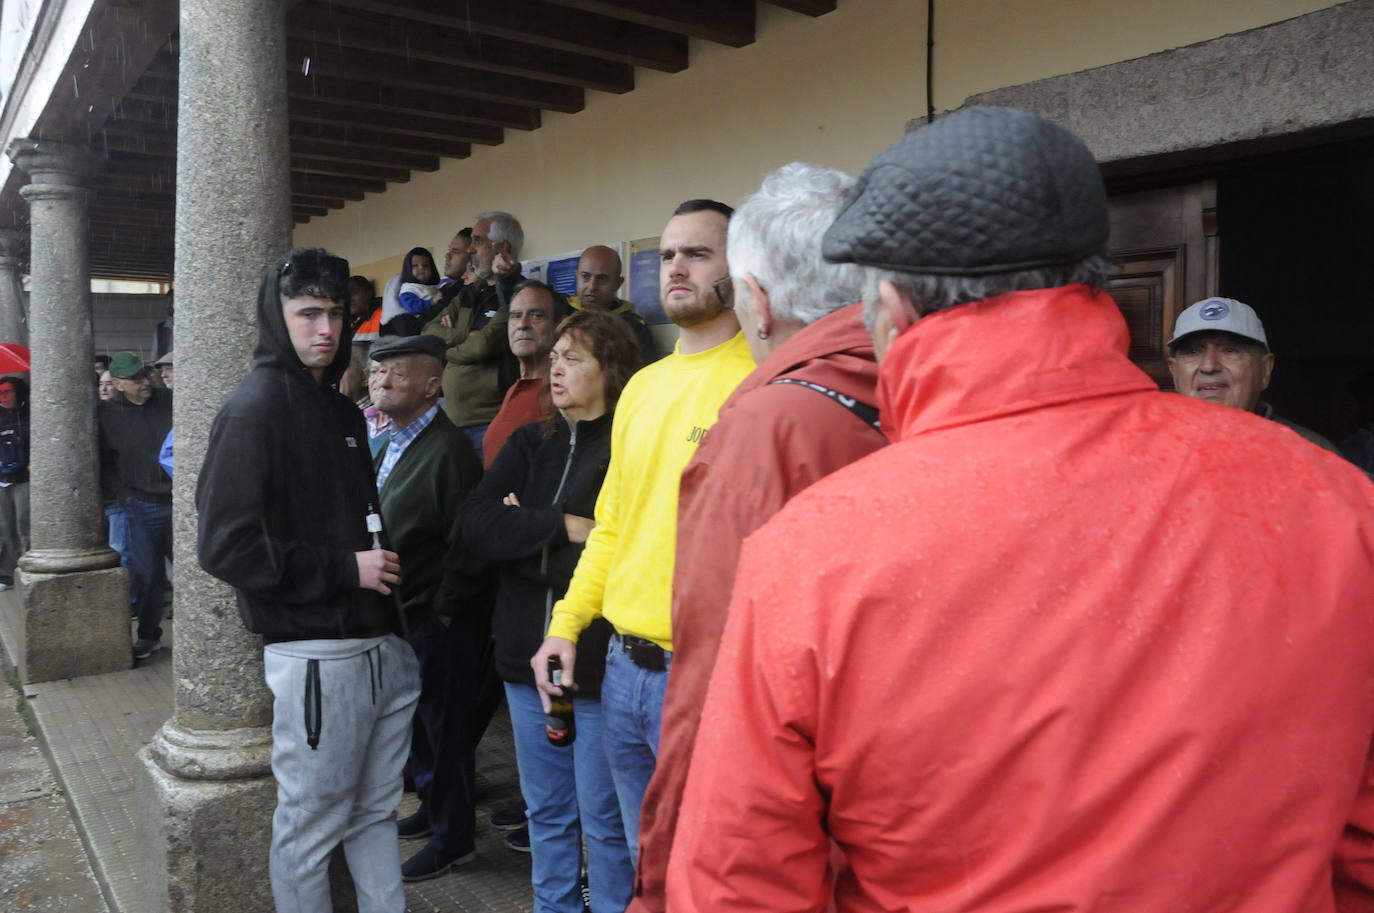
(313, 704)
(558, 493)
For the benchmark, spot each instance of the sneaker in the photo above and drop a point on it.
(508, 819)
(429, 863)
(415, 826)
(519, 840)
(146, 648)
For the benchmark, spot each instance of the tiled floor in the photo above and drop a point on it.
(93, 726)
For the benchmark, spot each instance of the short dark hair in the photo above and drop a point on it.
(561, 307)
(313, 272)
(465, 232)
(103, 359)
(362, 283)
(692, 206)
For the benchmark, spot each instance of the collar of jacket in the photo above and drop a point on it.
(1009, 354)
(842, 330)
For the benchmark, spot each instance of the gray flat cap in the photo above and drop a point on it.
(983, 190)
(391, 346)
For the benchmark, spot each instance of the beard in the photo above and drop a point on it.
(704, 307)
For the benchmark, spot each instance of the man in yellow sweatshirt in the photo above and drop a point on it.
(626, 571)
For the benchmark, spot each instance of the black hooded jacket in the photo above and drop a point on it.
(285, 492)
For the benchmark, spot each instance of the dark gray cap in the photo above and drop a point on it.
(983, 190)
(390, 346)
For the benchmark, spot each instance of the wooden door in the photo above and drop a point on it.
(1164, 257)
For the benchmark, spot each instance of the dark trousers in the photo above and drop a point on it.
(459, 693)
(149, 545)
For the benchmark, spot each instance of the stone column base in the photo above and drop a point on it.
(203, 843)
(75, 624)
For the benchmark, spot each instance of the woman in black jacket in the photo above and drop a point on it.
(531, 514)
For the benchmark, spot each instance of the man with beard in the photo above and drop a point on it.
(599, 277)
(479, 364)
(626, 571)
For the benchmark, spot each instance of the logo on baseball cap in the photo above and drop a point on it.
(1224, 314)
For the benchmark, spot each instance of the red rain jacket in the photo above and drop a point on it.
(771, 441)
(1069, 644)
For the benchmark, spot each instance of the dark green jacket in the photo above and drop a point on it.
(130, 439)
(422, 513)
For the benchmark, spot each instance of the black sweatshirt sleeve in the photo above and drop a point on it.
(233, 541)
(496, 532)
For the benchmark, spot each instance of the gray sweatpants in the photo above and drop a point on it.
(340, 735)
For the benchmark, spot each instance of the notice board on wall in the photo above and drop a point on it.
(643, 281)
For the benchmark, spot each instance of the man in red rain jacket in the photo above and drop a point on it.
(1069, 643)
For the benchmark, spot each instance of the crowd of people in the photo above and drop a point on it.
(894, 585)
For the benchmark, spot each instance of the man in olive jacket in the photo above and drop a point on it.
(423, 477)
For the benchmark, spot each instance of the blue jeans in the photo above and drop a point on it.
(632, 710)
(570, 795)
(475, 434)
(117, 531)
(149, 547)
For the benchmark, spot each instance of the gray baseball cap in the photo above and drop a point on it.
(1224, 314)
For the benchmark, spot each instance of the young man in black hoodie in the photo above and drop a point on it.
(289, 517)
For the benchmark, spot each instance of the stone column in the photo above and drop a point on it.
(76, 601)
(14, 322)
(205, 791)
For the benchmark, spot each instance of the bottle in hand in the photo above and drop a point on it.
(559, 723)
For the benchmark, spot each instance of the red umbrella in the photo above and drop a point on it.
(13, 357)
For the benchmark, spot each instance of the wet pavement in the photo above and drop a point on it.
(68, 841)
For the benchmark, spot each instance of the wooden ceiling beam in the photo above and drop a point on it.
(370, 135)
(433, 78)
(321, 188)
(343, 115)
(147, 146)
(326, 27)
(543, 25)
(354, 152)
(727, 22)
(307, 165)
(368, 97)
(298, 209)
(806, 7)
(311, 199)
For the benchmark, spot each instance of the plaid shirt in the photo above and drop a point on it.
(400, 440)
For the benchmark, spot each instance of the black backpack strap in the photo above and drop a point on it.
(862, 411)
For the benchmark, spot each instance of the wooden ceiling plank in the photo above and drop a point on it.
(323, 112)
(545, 25)
(312, 199)
(329, 28)
(367, 96)
(435, 79)
(321, 188)
(727, 22)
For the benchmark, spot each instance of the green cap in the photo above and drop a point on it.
(125, 365)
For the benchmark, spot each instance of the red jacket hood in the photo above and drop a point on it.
(836, 350)
(1005, 355)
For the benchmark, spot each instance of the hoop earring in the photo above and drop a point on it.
(761, 333)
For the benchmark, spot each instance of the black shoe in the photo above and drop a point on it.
(414, 826)
(519, 840)
(508, 819)
(430, 863)
(146, 648)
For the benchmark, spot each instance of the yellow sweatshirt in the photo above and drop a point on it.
(626, 569)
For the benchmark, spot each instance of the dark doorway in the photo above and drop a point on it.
(1292, 235)
(1296, 244)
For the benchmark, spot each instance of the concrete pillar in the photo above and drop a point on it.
(14, 321)
(205, 791)
(76, 602)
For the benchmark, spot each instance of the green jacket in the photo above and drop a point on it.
(422, 513)
(480, 365)
(648, 349)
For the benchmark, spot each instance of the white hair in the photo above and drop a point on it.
(935, 293)
(775, 236)
(504, 227)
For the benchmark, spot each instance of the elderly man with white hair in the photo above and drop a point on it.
(803, 413)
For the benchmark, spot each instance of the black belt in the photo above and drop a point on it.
(643, 653)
